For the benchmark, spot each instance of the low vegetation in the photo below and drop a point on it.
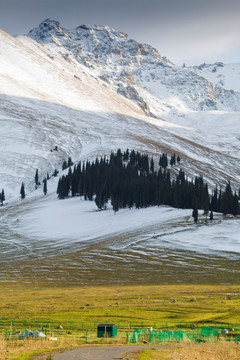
(210, 352)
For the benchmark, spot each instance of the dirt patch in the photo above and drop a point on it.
(48, 354)
(131, 355)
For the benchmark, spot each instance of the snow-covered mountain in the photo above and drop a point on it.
(91, 90)
(136, 70)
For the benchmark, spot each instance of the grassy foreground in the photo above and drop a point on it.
(156, 306)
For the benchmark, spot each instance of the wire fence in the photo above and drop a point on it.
(124, 325)
(128, 332)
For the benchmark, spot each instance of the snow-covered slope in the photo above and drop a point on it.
(223, 75)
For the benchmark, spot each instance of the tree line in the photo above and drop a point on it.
(130, 179)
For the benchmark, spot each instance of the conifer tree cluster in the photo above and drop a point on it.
(37, 183)
(226, 202)
(129, 179)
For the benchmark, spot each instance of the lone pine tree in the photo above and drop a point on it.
(2, 197)
(36, 179)
(22, 191)
(45, 186)
(195, 210)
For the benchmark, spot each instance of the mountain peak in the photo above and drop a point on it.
(132, 68)
(49, 23)
(102, 35)
(46, 28)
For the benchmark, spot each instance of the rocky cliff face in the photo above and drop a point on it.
(137, 71)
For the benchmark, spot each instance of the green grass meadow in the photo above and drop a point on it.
(126, 304)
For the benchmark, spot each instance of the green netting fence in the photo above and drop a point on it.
(203, 334)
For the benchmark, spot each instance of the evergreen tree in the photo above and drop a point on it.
(2, 197)
(100, 200)
(163, 161)
(219, 201)
(22, 191)
(181, 176)
(235, 206)
(63, 187)
(224, 207)
(64, 165)
(205, 200)
(211, 215)
(70, 163)
(45, 186)
(152, 166)
(229, 198)
(115, 204)
(36, 179)
(214, 201)
(55, 173)
(173, 160)
(195, 210)
(126, 155)
(132, 157)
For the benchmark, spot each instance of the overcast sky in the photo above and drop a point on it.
(186, 31)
